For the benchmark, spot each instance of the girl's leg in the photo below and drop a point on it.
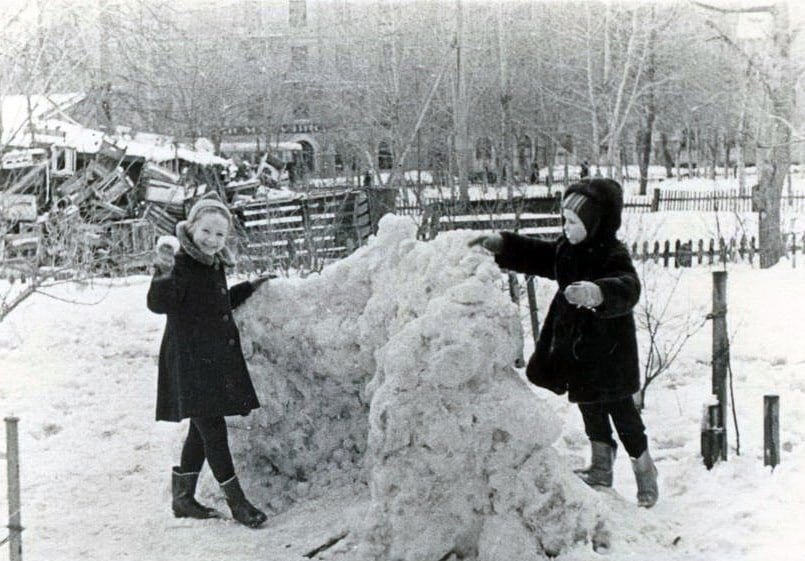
(629, 425)
(216, 446)
(192, 451)
(185, 477)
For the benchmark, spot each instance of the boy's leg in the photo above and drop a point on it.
(599, 431)
(596, 422)
(632, 433)
(630, 427)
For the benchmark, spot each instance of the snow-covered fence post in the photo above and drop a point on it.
(712, 435)
(771, 430)
(655, 200)
(531, 289)
(720, 351)
(13, 465)
(514, 293)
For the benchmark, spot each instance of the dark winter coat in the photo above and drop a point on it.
(591, 354)
(202, 372)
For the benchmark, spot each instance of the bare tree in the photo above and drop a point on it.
(776, 74)
(666, 332)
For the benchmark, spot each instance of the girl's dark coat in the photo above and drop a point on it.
(202, 372)
(591, 354)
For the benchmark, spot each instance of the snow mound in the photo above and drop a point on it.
(395, 367)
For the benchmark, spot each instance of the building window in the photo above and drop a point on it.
(343, 60)
(301, 111)
(385, 159)
(299, 58)
(297, 13)
(386, 56)
(254, 110)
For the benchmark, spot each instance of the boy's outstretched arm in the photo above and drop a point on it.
(527, 255)
(620, 286)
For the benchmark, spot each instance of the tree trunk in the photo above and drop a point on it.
(776, 150)
(651, 113)
(713, 146)
(667, 157)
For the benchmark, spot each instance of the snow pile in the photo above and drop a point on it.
(400, 370)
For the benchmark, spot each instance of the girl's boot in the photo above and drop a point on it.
(645, 473)
(599, 472)
(242, 510)
(183, 486)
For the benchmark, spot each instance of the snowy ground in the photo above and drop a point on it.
(79, 370)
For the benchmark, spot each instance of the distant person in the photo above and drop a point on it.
(588, 347)
(367, 179)
(585, 169)
(534, 173)
(202, 372)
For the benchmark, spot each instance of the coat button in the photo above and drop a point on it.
(225, 317)
(231, 342)
(223, 291)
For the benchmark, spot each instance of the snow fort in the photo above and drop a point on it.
(395, 367)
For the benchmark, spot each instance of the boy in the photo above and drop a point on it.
(588, 346)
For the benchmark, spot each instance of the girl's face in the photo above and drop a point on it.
(209, 232)
(574, 228)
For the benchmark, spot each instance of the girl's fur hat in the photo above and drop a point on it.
(208, 202)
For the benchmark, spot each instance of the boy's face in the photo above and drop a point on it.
(574, 228)
(209, 232)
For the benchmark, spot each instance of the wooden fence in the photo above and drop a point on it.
(305, 231)
(727, 200)
(534, 216)
(711, 252)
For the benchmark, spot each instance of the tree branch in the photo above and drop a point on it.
(751, 10)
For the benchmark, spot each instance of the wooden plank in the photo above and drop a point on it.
(771, 430)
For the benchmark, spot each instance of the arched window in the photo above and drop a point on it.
(385, 159)
(308, 156)
(525, 152)
(483, 148)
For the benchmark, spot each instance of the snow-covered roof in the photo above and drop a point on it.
(251, 146)
(18, 111)
(162, 153)
(83, 139)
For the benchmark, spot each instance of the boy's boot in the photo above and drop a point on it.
(242, 510)
(184, 503)
(599, 472)
(646, 476)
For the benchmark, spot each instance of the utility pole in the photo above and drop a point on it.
(507, 163)
(461, 111)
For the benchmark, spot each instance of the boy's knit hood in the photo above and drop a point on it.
(607, 195)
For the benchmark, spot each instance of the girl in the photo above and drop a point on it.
(588, 347)
(202, 372)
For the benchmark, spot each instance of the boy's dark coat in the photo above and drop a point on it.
(202, 372)
(591, 354)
